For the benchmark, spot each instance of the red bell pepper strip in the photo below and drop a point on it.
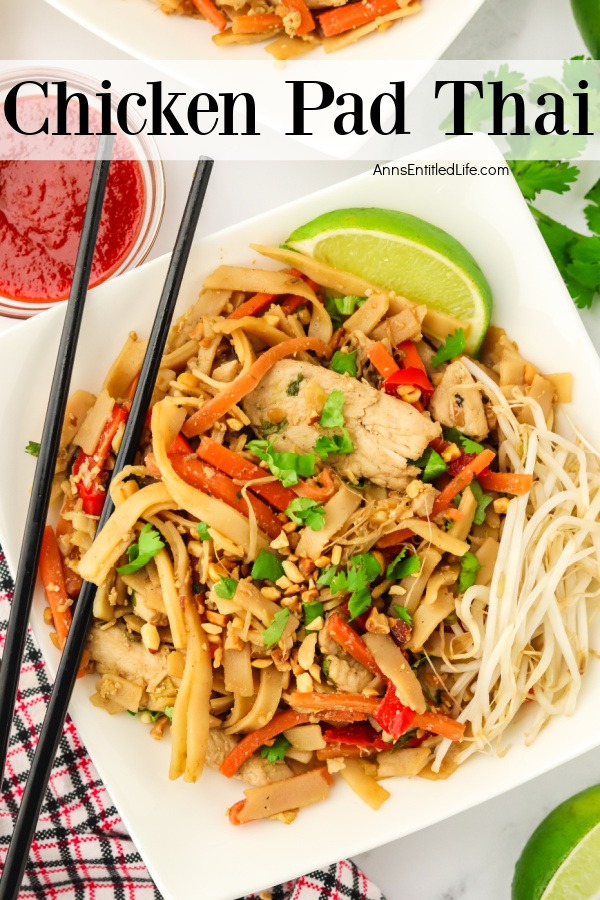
(458, 484)
(411, 376)
(93, 492)
(394, 717)
(455, 466)
(358, 735)
(395, 537)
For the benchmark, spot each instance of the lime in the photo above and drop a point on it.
(400, 252)
(587, 16)
(561, 859)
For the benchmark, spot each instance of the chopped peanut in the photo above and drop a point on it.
(500, 505)
(451, 452)
(150, 637)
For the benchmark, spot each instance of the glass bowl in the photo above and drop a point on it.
(145, 152)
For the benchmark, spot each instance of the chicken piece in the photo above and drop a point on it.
(256, 771)
(385, 431)
(457, 402)
(347, 674)
(114, 652)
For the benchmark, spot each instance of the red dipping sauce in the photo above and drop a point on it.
(42, 206)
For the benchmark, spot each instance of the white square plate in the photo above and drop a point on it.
(181, 830)
(139, 28)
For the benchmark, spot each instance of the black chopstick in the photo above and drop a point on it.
(49, 444)
(41, 766)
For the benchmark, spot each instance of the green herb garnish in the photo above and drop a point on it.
(403, 565)
(403, 613)
(337, 443)
(332, 415)
(267, 429)
(225, 588)
(469, 567)
(33, 448)
(169, 712)
(303, 511)
(277, 749)
(483, 501)
(453, 346)
(267, 565)
(149, 543)
(285, 466)
(343, 363)
(272, 635)
(359, 602)
(294, 386)
(202, 529)
(312, 610)
(461, 440)
(327, 576)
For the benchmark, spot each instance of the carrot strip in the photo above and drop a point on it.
(411, 358)
(199, 475)
(344, 635)
(344, 18)
(378, 355)
(454, 514)
(319, 488)
(236, 466)
(481, 461)
(292, 303)
(213, 409)
(51, 573)
(252, 306)
(505, 482)
(211, 13)
(235, 810)
(312, 284)
(394, 538)
(257, 24)
(307, 23)
(440, 724)
(251, 742)
(342, 702)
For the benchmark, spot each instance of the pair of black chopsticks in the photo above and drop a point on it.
(26, 821)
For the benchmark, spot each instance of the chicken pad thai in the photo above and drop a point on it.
(346, 549)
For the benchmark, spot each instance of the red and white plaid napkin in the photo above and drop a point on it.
(81, 849)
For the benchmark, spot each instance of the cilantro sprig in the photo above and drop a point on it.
(267, 565)
(332, 415)
(202, 529)
(453, 346)
(285, 466)
(33, 448)
(272, 635)
(304, 511)
(148, 544)
(403, 565)
(275, 751)
(461, 440)
(343, 363)
(362, 570)
(334, 443)
(226, 588)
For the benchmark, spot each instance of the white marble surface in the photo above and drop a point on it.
(470, 856)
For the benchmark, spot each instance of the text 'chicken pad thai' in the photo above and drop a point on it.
(294, 27)
(346, 547)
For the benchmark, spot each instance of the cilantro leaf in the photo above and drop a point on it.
(340, 307)
(312, 610)
(403, 613)
(592, 211)
(359, 603)
(303, 511)
(267, 565)
(202, 529)
(169, 712)
(366, 563)
(337, 443)
(276, 750)
(403, 565)
(272, 635)
(293, 387)
(285, 466)
(226, 588)
(483, 501)
(332, 415)
(536, 175)
(149, 543)
(453, 346)
(33, 448)
(327, 576)
(469, 567)
(461, 440)
(344, 362)
(432, 464)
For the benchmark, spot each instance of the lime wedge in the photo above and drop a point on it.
(561, 860)
(400, 252)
